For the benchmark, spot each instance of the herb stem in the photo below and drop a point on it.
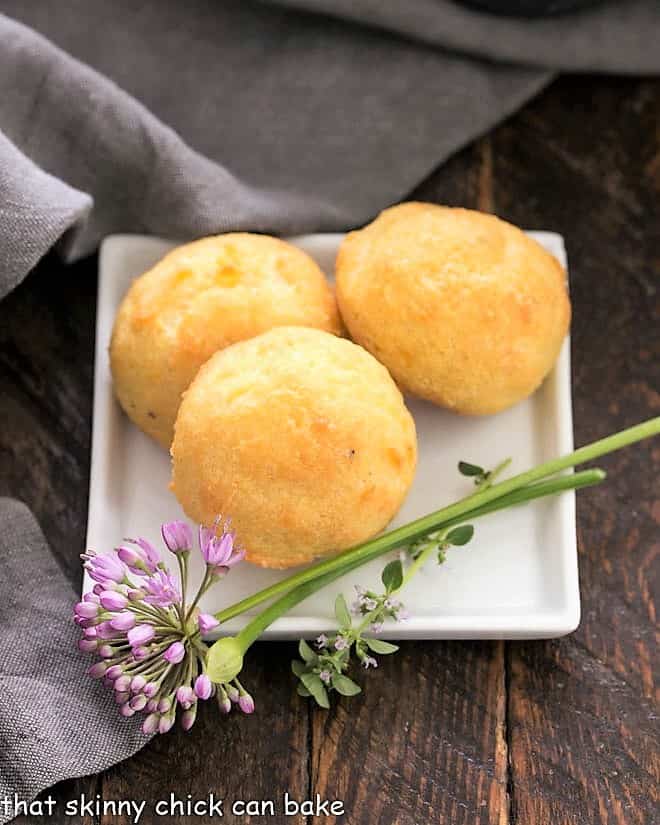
(421, 559)
(295, 595)
(452, 514)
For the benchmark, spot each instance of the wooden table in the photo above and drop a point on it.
(536, 733)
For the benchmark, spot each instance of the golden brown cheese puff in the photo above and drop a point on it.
(298, 436)
(198, 299)
(464, 309)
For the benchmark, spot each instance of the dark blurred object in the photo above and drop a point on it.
(529, 8)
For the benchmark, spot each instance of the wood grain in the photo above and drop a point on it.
(425, 743)
(46, 369)
(560, 732)
(583, 710)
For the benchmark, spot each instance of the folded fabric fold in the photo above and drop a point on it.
(614, 36)
(30, 226)
(55, 722)
(305, 139)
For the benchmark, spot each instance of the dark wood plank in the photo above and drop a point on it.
(46, 374)
(424, 743)
(582, 711)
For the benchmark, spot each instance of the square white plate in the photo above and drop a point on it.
(518, 577)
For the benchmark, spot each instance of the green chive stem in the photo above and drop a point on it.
(295, 595)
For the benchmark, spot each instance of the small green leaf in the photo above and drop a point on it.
(315, 686)
(343, 656)
(460, 535)
(302, 690)
(311, 681)
(380, 646)
(392, 576)
(341, 612)
(306, 652)
(466, 469)
(345, 686)
(298, 667)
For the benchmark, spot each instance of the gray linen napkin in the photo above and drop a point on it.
(182, 119)
(54, 722)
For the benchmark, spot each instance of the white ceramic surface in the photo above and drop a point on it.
(517, 578)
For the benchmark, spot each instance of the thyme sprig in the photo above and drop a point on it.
(323, 671)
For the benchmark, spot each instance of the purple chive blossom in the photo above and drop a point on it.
(203, 686)
(112, 600)
(150, 724)
(177, 535)
(114, 672)
(138, 684)
(246, 702)
(123, 621)
(141, 634)
(165, 705)
(150, 689)
(104, 569)
(86, 610)
(139, 702)
(87, 645)
(106, 631)
(218, 550)
(123, 684)
(140, 556)
(188, 718)
(207, 622)
(186, 697)
(133, 558)
(162, 590)
(97, 671)
(175, 653)
(151, 556)
(133, 621)
(224, 702)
